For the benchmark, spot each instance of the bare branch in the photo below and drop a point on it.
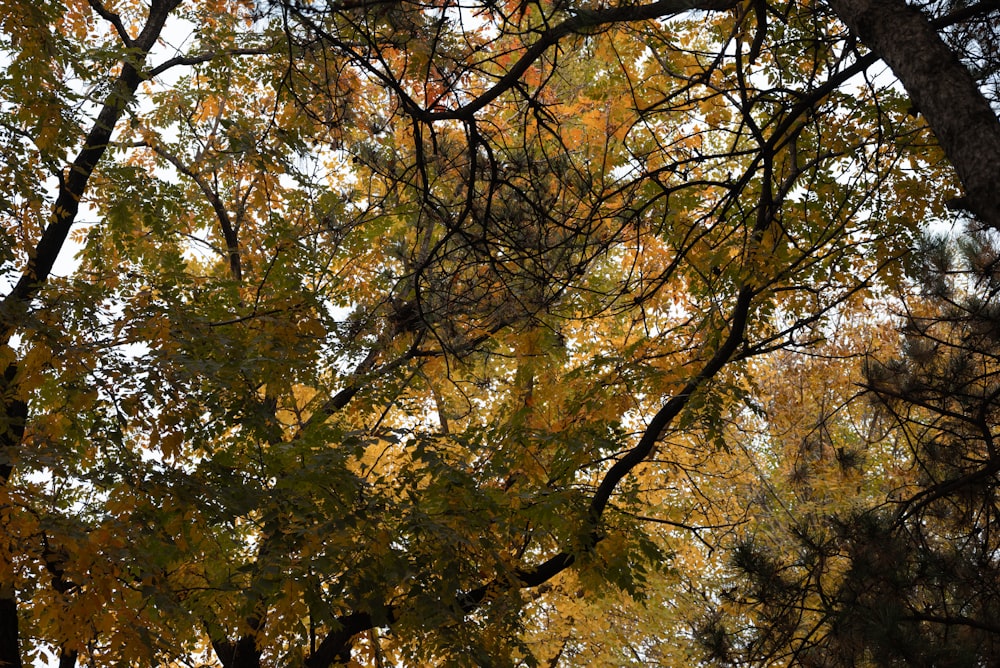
(113, 19)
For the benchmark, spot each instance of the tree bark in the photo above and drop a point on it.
(11, 432)
(243, 653)
(941, 88)
(10, 655)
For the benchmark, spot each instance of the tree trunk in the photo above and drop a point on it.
(10, 653)
(941, 88)
(240, 654)
(15, 413)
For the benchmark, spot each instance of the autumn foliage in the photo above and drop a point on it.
(494, 333)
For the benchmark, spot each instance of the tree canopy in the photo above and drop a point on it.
(384, 332)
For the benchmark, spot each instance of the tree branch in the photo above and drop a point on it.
(73, 183)
(230, 232)
(941, 87)
(581, 22)
(114, 19)
(199, 58)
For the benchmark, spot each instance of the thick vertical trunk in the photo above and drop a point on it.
(942, 88)
(240, 654)
(67, 659)
(10, 654)
(15, 413)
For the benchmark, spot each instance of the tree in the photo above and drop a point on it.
(401, 326)
(875, 537)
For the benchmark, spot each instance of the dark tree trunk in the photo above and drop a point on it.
(240, 654)
(67, 659)
(10, 653)
(15, 413)
(941, 88)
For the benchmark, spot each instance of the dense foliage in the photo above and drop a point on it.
(498, 333)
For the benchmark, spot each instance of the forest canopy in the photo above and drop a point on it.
(487, 333)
